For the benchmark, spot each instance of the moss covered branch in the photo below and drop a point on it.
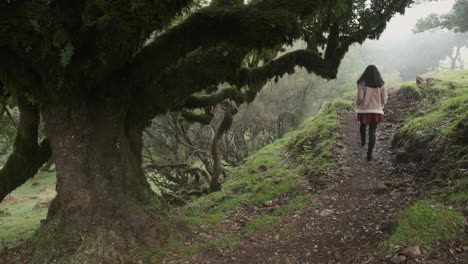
(188, 77)
(202, 118)
(255, 26)
(201, 101)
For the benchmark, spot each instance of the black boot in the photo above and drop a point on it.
(372, 130)
(362, 130)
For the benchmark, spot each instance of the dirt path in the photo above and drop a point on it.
(351, 218)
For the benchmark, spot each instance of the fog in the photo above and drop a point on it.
(401, 25)
(402, 54)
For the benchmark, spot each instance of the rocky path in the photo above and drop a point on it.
(351, 218)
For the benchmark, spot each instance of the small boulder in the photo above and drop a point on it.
(421, 82)
(411, 252)
(326, 212)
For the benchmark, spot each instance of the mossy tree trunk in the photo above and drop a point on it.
(228, 118)
(104, 209)
(455, 57)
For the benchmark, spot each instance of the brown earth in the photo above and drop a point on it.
(353, 215)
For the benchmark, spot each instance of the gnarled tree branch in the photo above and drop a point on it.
(28, 155)
(188, 77)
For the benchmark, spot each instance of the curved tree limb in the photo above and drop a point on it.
(275, 22)
(228, 118)
(188, 77)
(28, 155)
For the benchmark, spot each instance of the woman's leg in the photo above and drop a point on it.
(362, 129)
(372, 130)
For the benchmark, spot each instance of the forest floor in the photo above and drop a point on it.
(352, 217)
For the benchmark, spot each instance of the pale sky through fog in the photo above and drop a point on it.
(402, 25)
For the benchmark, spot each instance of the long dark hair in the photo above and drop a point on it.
(371, 77)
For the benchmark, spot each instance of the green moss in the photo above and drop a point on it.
(411, 91)
(424, 224)
(458, 197)
(264, 222)
(204, 220)
(226, 242)
(269, 221)
(270, 191)
(295, 203)
(443, 118)
(457, 192)
(231, 203)
(314, 143)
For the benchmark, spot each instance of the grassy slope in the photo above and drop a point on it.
(272, 173)
(436, 135)
(18, 218)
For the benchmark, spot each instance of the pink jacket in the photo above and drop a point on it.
(371, 100)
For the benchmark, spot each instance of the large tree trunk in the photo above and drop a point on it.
(105, 211)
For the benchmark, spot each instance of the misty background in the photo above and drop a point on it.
(285, 103)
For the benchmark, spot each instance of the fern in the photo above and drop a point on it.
(66, 54)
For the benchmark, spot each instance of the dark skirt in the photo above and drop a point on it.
(366, 119)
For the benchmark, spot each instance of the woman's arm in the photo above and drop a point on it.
(360, 95)
(383, 96)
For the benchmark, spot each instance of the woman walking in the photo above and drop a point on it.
(371, 99)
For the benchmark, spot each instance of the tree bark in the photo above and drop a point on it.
(105, 211)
